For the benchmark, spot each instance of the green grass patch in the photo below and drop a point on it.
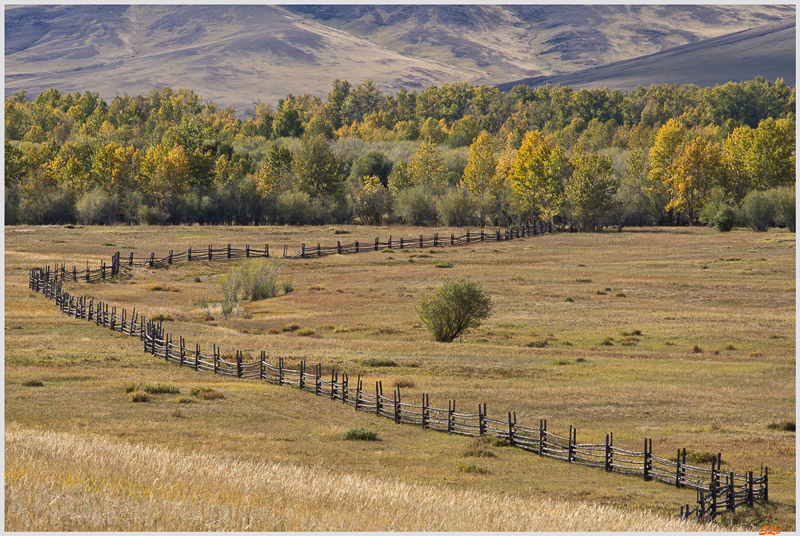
(361, 434)
(472, 469)
(444, 265)
(379, 362)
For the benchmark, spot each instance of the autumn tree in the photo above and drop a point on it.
(426, 168)
(591, 189)
(696, 171)
(480, 176)
(663, 157)
(537, 175)
(316, 169)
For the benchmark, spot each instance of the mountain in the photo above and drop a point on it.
(237, 55)
(767, 51)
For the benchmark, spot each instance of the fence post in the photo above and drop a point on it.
(246, 251)
(542, 429)
(344, 387)
(377, 399)
(333, 385)
(356, 246)
(396, 408)
(376, 243)
(452, 239)
(731, 494)
(280, 371)
(467, 237)
(216, 360)
(319, 250)
(266, 250)
(511, 428)
(238, 363)
(152, 258)
(196, 357)
(401, 242)
(229, 251)
(318, 379)
(481, 422)
(609, 442)
(170, 257)
(302, 374)
(678, 468)
(339, 247)
(450, 410)
(390, 241)
(750, 488)
(210, 252)
(648, 451)
(766, 484)
(180, 340)
(424, 408)
(190, 253)
(570, 448)
(420, 242)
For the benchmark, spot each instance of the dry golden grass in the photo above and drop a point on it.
(731, 295)
(67, 482)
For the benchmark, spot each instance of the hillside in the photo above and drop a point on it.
(237, 55)
(767, 51)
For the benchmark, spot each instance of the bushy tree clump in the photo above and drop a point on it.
(455, 308)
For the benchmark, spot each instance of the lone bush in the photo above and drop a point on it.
(255, 279)
(455, 308)
(758, 208)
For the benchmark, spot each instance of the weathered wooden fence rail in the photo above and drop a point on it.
(713, 495)
(120, 265)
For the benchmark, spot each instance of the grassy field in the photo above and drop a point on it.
(686, 336)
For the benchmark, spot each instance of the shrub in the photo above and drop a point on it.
(725, 220)
(378, 362)
(536, 344)
(304, 332)
(560, 362)
(95, 207)
(161, 287)
(568, 300)
(138, 396)
(785, 203)
(444, 265)
(162, 318)
(290, 327)
(288, 287)
(361, 434)
(32, 382)
(456, 207)
(785, 426)
(416, 206)
(185, 400)
(697, 349)
(256, 279)
(758, 209)
(455, 308)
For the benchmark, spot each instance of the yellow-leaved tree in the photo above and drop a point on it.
(696, 170)
(663, 158)
(480, 175)
(537, 176)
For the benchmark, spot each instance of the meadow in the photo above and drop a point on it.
(683, 335)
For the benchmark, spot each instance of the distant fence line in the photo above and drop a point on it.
(713, 495)
(118, 264)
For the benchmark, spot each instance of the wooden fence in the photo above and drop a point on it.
(713, 496)
(119, 266)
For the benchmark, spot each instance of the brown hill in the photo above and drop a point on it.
(236, 55)
(768, 51)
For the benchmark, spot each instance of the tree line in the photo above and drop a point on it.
(455, 155)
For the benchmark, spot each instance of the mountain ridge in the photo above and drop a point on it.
(239, 55)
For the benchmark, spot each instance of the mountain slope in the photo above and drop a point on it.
(767, 51)
(236, 55)
(233, 55)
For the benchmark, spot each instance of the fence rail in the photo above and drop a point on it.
(120, 266)
(713, 496)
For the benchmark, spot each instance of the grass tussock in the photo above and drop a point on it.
(32, 382)
(404, 383)
(361, 434)
(206, 393)
(784, 426)
(472, 468)
(379, 362)
(477, 449)
(138, 396)
(162, 287)
(163, 318)
(290, 327)
(305, 332)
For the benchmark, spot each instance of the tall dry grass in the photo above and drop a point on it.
(58, 481)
